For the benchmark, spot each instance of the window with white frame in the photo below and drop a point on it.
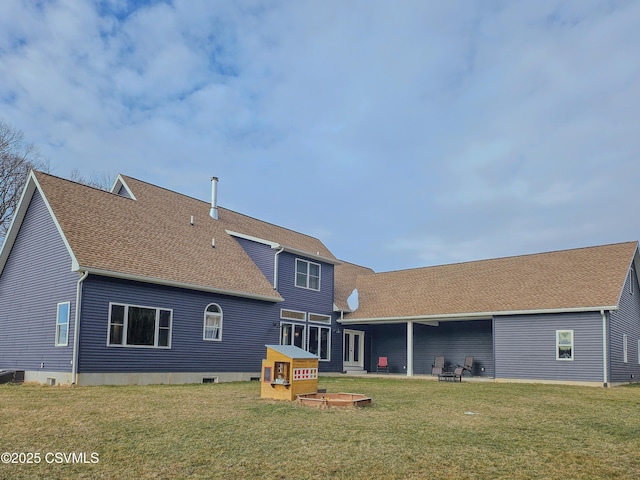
(292, 315)
(315, 317)
(62, 324)
(292, 334)
(625, 348)
(307, 274)
(212, 329)
(135, 326)
(320, 341)
(564, 344)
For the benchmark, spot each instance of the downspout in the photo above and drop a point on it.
(76, 330)
(410, 348)
(275, 268)
(604, 349)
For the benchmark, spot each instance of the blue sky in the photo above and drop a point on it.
(402, 134)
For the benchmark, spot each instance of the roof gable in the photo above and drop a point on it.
(150, 237)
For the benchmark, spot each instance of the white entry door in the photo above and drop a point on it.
(353, 349)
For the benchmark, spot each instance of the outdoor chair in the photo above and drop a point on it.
(455, 376)
(468, 365)
(438, 366)
(383, 365)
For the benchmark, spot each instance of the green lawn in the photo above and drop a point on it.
(414, 429)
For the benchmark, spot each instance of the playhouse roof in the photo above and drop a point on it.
(291, 351)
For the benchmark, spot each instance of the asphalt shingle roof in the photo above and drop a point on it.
(583, 278)
(152, 236)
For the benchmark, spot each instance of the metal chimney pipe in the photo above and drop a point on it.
(214, 198)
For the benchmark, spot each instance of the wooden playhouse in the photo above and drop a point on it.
(288, 371)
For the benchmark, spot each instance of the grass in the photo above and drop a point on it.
(414, 429)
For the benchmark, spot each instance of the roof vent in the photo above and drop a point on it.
(214, 198)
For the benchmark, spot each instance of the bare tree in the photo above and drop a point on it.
(101, 180)
(17, 158)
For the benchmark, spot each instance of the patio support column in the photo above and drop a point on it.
(410, 348)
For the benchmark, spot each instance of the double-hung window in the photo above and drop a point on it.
(134, 326)
(307, 274)
(62, 324)
(564, 344)
(212, 323)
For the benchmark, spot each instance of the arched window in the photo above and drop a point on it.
(212, 323)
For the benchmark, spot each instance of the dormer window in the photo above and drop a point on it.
(307, 274)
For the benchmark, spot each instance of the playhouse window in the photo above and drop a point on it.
(212, 323)
(625, 348)
(62, 324)
(136, 326)
(564, 344)
(319, 341)
(292, 334)
(307, 274)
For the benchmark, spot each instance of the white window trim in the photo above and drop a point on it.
(631, 280)
(125, 326)
(625, 348)
(325, 321)
(204, 325)
(320, 328)
(283, 312)
(573, 353)
(58, 324)
(293, 325)
(307, 287)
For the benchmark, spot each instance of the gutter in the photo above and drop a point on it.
(76, 329)
(173, 283)
(275, 268)
(472, 315)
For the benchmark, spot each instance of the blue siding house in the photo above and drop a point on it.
(144, 285)
(570, 316)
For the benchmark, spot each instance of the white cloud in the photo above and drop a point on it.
(450, 131)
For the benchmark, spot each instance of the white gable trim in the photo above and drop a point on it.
(253, 239)
(275, 245)
(633, 263)
(18, 217)
(120, 183)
